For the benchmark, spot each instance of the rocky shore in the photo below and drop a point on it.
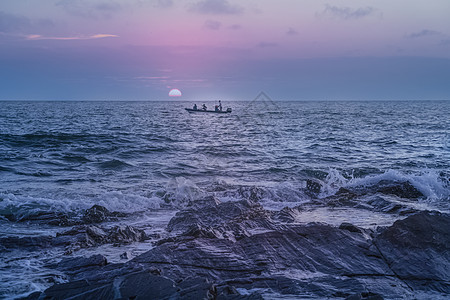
(239, 250)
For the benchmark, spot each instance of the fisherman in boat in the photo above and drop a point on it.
(204, 106)
(216, 108)
(220, 105)
(195, 106)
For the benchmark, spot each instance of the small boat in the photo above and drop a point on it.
(191, 110)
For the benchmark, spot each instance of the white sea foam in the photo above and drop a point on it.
(180, 191)
(434, 187)
(428, 182)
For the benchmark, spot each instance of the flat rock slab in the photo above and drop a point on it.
(313, 260)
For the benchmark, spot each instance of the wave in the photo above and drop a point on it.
(18, 207)
(433, 192)
(429, 182)
(176, 194)
(114, 164)
(6, 169)
(428, 187)
(432, 184)
(75, 158)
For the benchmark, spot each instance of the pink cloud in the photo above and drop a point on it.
(66, 38)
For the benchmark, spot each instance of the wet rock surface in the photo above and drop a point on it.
(229, 220)
(86, 236)
(83, 236)
(417, 250)
(238, 250)
(86, 231)
(99, 214)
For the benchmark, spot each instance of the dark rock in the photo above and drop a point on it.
(95, 214)
(316, 260)
(350, 227)
(400, 189)
(343, 197)
(145, 286)
(373, 197)
(197, 288)
(85, 236)
(126, 234)
(229, 220)
(228, 292)
(378, 203)
(75, 263)
(425, 230)
(417, 250)
(343, 192)
(82, 289)
(365, 296)
(30, 243)
(252, 193)
(306, 249)
(287, 215)
(313, 187)
(125, 255)
(43, 217)
(32, 296)
(99, 214)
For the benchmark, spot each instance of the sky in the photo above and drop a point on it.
(224, 49)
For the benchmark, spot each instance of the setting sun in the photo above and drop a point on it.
(175, 93)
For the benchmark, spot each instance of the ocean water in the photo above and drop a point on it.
(149, 159)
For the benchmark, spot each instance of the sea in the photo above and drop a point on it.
(149, 159)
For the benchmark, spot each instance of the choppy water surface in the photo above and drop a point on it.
(151, 158)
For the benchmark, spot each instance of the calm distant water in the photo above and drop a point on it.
(136, 156)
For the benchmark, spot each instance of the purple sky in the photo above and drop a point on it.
(292, 49)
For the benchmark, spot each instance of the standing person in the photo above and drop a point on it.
(204, 106)
(220, 105)
(195, 106)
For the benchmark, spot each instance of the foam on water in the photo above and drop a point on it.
(435, 188)
(22, 206)
(179, 191)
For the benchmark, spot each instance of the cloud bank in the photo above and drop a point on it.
(347, 13)
(11, 23)
(216, 7)
(423, 33)
(90, 9)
